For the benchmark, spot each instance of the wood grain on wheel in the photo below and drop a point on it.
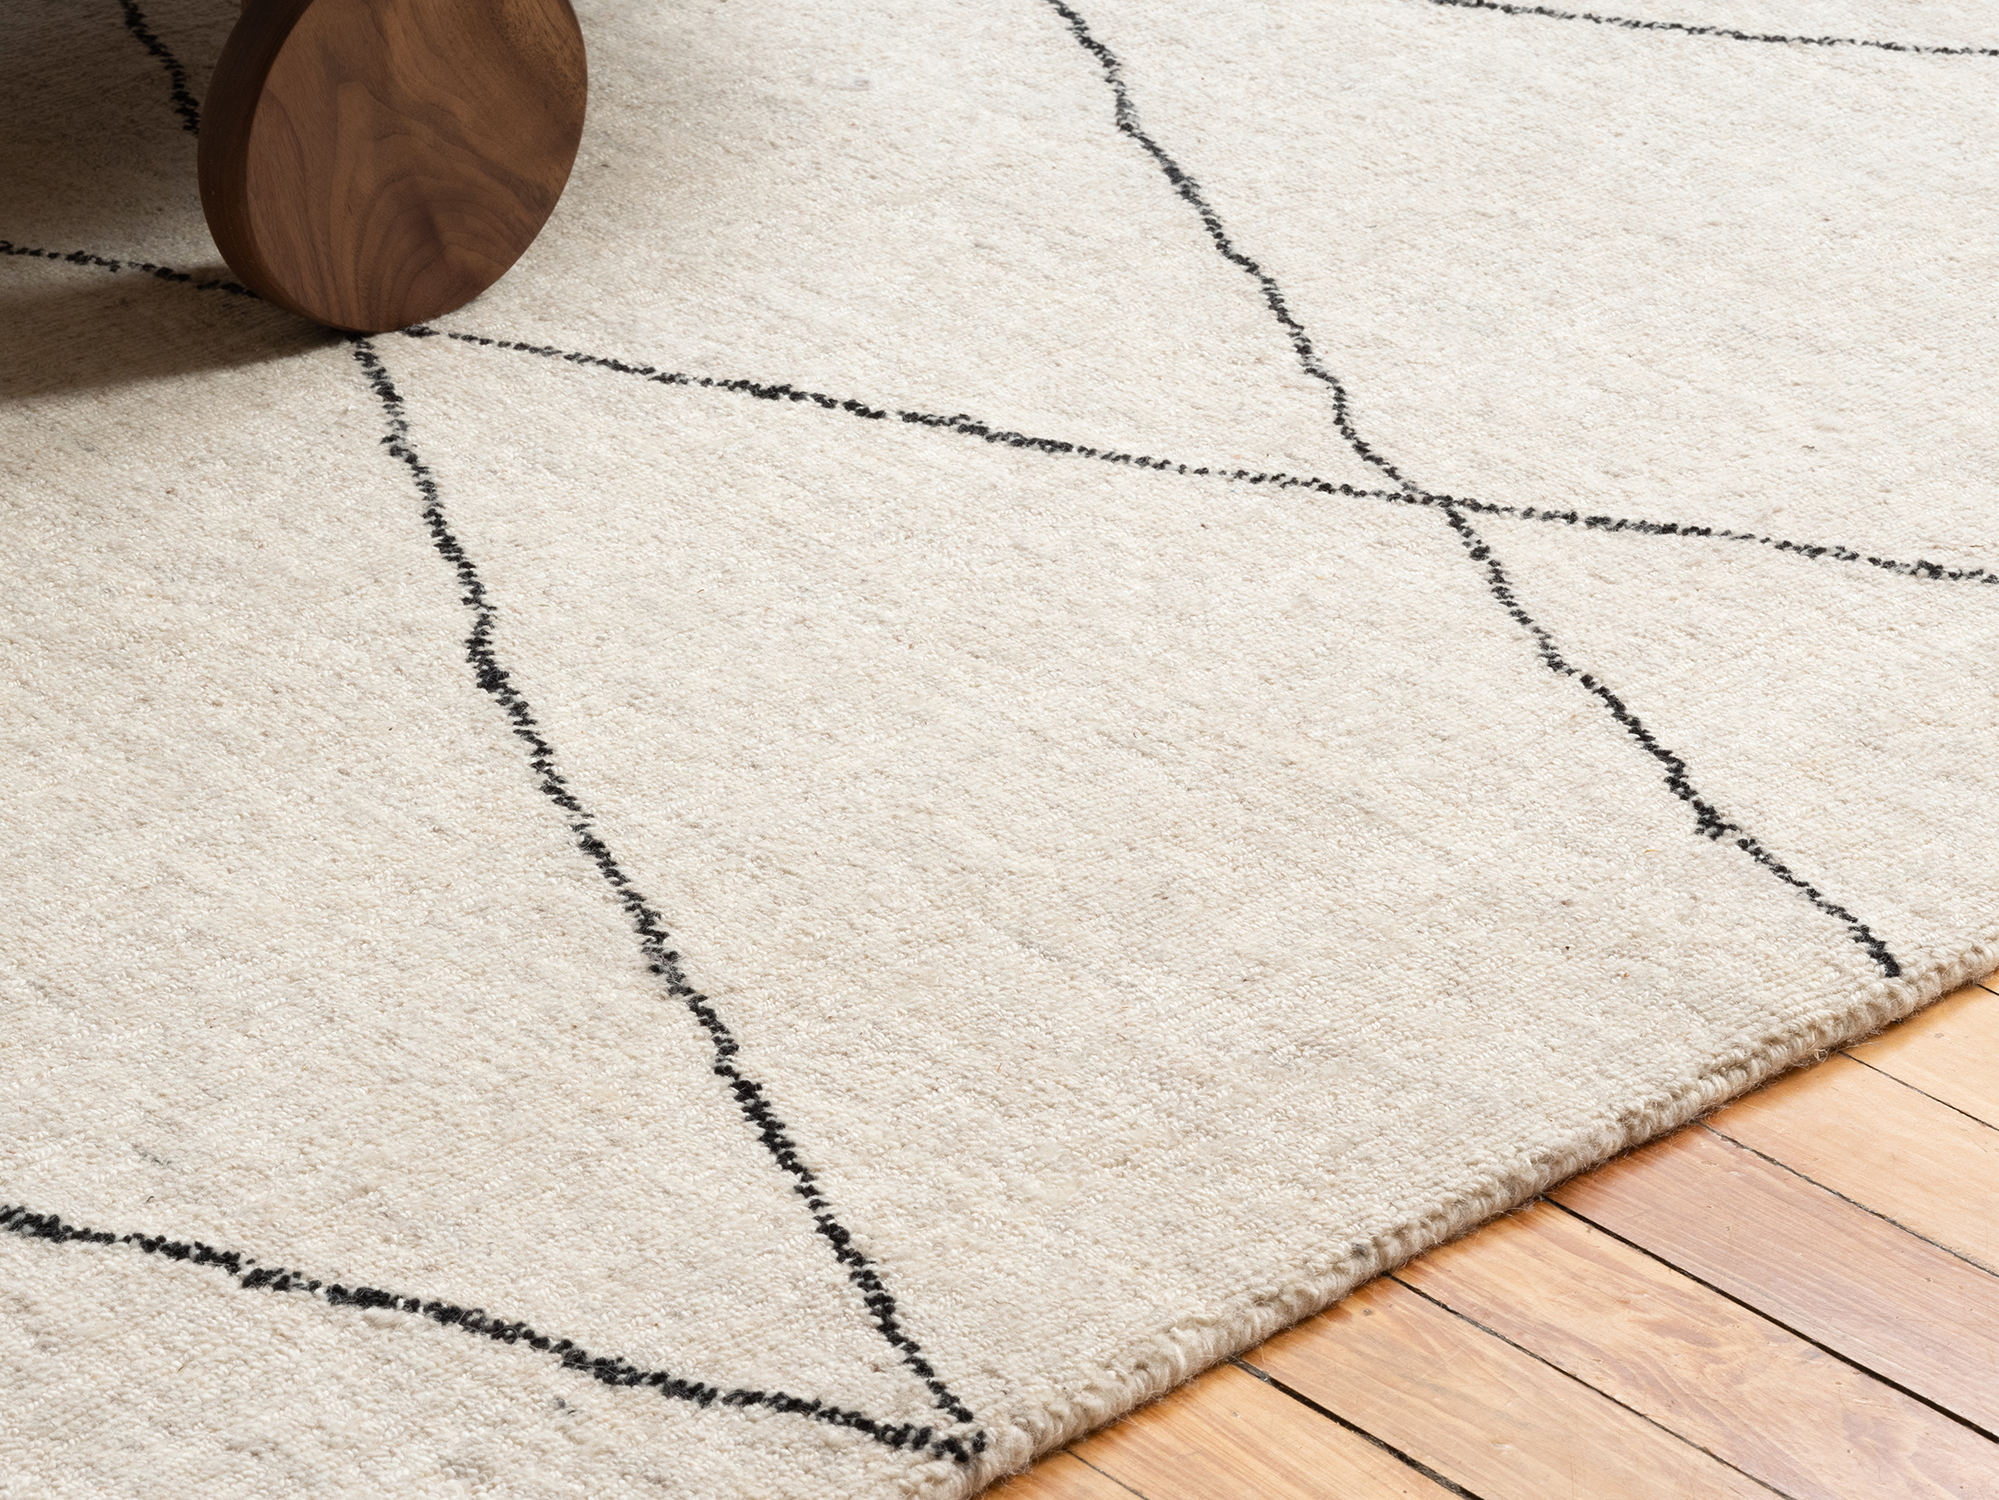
(373, 163)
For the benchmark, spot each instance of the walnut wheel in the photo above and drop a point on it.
(375, 163)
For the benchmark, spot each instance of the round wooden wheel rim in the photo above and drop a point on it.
(375, 163)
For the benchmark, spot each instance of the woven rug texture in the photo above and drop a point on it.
(1055, 677)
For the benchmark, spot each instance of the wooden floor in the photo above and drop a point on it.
(1797, 1295)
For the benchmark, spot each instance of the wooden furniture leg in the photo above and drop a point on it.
(375, 163)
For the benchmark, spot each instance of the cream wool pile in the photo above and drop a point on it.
(1046, 684)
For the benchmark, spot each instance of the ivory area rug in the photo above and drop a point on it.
(1056, 676)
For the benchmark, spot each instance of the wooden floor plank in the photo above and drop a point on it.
(1950, 1051)
(1060, 1476)
(1713, 1372)
(1484, 1415)
(1785, 1205)
(1228, 1434)
(1832, 1271)
(1880, 1143)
